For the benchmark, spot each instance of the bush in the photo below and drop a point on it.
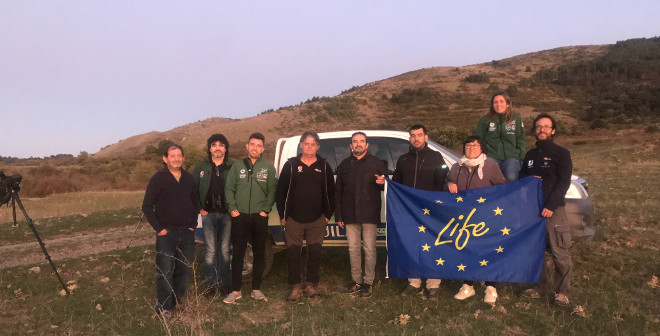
(480, 77)
(341, 108)
(599, 123)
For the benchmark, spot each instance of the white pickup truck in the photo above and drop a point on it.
(388, 146)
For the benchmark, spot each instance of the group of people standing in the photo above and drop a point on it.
(235, 198)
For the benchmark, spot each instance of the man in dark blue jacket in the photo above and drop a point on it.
(171, 206)
(553, 164)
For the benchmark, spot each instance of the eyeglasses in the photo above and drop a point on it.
(473, 146)
(538, 127)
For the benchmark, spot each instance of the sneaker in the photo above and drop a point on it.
(491, 294)
(410, 290)
(311, 292)
(465, 292)
(258, 295)
(434, 293)
(296, 293)
(353, 288)
(232, 297)
(561, 300)
(366, 291)
(532, 293)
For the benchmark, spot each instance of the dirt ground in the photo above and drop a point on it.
(75, 245)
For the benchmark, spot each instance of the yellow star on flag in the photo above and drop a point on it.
(481, 200)
(498, 211)
(426, 211)
(422, 228)
(484, 262)
(505, 231)
(426, 247)
(499, 249)
(459, 199)
(441, 262)
(461, 267)
(439, 201)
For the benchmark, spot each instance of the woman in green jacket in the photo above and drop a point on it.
(504, 136)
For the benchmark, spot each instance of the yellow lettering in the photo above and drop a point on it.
(437, 241)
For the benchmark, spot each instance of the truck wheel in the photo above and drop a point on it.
(248, 261)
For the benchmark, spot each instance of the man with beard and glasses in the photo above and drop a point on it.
(359, 183)
(210, 176)
(552, 163)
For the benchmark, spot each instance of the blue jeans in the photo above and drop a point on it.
(174, 258)
(510, 168)
(217, 243)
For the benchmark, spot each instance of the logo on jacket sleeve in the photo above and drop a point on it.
(242, 173)
(201, 174)
(530, 163)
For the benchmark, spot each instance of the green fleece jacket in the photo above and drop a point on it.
(504, 140)
(251, 191)
(202, 177)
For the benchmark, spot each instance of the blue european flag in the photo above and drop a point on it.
(485, 234)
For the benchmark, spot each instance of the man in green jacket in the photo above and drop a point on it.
(250, 193)
(210, 176)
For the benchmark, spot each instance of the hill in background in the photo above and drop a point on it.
(587, 87)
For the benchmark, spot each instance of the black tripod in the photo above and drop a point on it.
(11, 183)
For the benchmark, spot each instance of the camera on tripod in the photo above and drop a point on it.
(8, 184)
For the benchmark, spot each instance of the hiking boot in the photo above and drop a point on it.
(531, 293)
(258, 295)
(561, 300)
(434, 293)
(353, 288)
(491, 294)
(311, 292)
(232, 297)
(410, 290)
(465, 292)
(296, 293)
(366, 291)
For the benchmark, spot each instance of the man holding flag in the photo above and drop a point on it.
(425, 169)
(553, 165)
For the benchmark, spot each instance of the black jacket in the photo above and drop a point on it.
(358, 195)
(553, 163)
(423, 169)
(169, 204)
(305, 197)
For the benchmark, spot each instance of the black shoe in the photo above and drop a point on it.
(224, 290)
(434, 293)
(410, 290)
(353, 288)
(210, 292)
(366, 291)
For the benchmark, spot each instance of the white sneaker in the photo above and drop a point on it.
(465, 292)
(491, 294)
(232, 298)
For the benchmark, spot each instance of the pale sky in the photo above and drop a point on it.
(79, 75)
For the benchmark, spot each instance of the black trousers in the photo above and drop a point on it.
(246, 228)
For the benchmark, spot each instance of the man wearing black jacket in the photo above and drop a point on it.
(425, 169)
(359, 182)
(305, 198)
(171, 206)
(553, 164)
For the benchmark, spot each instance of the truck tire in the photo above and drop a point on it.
(248, 261)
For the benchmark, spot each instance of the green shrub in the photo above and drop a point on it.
(480, 77)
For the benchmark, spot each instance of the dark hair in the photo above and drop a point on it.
(312, 134)
(257, 136)
(473, 138)
(541, 116)
(215, 138)
(417, 126)
(359, 133)
(492, 115)
(167, 150)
